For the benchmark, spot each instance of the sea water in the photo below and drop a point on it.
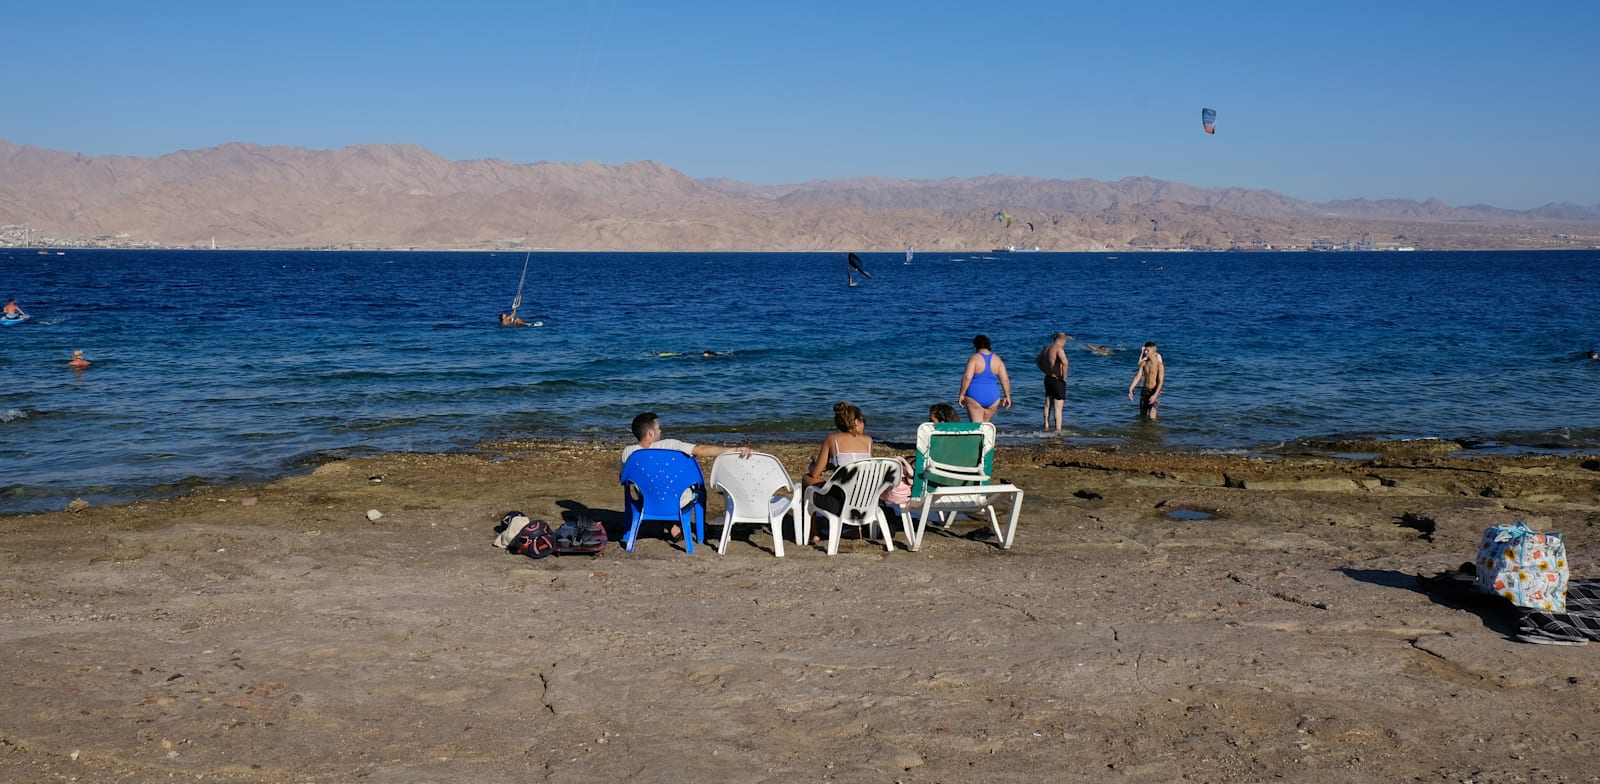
(241, 366)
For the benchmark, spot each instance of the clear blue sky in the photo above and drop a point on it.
(1470, 102)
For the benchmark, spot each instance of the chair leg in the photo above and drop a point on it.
(777, 532)
(686, 521)
(632, 537)
(1011, 528)
(802, 524)
(727, 528)
(835, 531)
(922, 522)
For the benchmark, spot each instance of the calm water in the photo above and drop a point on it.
(217, 365)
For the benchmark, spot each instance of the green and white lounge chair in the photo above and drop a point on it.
(955, 461)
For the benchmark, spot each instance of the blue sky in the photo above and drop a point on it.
(1470, 102)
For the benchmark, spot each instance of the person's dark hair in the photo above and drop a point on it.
(845, 415)
(642, 423)
(943, 412)
(980, 343)
(1149, 344)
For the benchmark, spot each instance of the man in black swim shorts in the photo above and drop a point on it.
(1053, 361)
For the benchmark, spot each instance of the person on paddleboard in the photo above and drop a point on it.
(12, 309)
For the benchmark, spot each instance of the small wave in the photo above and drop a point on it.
(12, 414)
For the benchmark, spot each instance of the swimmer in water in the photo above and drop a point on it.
(77, 362)
(1097, 350)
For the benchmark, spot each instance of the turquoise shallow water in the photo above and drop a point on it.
(218, 365)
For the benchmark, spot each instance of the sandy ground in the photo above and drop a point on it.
(274, 634)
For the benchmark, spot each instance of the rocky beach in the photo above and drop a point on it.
(1272, 629)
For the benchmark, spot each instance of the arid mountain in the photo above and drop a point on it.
(246, 195)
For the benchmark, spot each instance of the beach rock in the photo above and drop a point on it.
(77, 505)
(374, 515)
(1329, 484)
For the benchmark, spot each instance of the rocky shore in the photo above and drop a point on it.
(1161, 617)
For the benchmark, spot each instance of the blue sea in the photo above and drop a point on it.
(242, 366)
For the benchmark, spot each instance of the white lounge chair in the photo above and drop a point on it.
(954, 463)
(851, 496)
(749, 487)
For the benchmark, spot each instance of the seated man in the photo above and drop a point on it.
(647, 428)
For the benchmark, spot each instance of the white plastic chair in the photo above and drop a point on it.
(851, 496)
(749, 487)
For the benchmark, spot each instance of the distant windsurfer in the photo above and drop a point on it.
(852, 266)
(511, 320)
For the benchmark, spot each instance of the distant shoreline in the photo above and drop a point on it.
(926, 255)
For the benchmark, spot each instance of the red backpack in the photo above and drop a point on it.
(535, 540)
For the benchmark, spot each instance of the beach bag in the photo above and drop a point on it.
(900, 494)
(584, 537)
(534, 539)
(1526, 567)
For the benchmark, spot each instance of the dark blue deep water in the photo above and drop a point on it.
(225, 366)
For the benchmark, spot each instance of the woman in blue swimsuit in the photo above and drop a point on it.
(985, 386)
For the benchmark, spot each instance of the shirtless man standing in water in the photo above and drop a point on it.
(1153, 372)
(1053, 361)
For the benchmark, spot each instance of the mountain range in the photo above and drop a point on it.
(401, 196)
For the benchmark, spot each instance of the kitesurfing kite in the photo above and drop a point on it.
(852, 266)
(1208, 120)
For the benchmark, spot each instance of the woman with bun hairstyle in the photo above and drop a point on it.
(848, 445)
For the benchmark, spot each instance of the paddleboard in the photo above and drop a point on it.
(7, 321)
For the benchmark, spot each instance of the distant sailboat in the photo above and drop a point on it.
(909, 253)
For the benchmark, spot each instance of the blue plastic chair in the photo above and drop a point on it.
(664, 484)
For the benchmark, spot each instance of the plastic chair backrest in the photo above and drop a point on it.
(662, 476)
(857, 487)
(749, 483)
(952, 454)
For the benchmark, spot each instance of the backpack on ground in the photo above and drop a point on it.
(582, 537)
(534, 539)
